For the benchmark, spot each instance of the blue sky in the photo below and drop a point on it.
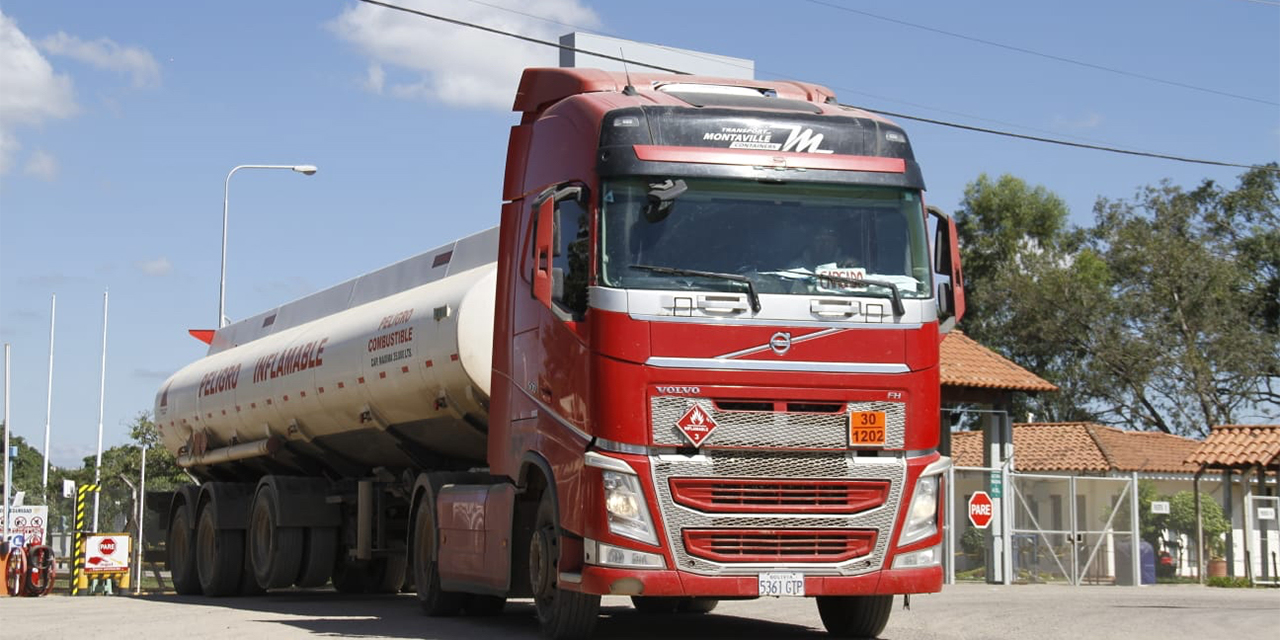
(119, 122)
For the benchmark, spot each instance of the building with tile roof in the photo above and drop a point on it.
(1085, 448)
(966, 364)
(1239, 446)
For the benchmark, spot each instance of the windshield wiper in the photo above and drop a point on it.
(732, 277)
(894, 294)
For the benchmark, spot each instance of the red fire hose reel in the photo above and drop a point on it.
(28, 571)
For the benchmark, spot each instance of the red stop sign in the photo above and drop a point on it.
(980, 510)
(107, 546)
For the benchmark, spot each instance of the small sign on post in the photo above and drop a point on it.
(1266, 513)
(1160, 507)
(980, 511)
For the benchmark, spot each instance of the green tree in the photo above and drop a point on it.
(1165, 314)
(1182, 519)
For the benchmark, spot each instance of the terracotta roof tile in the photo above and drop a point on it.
(1147, 451)
(1238, 445)
(965, 363)
(1082, 446)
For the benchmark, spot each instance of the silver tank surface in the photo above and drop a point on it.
(407, 347)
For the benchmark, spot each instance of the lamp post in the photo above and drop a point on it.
(305, 169)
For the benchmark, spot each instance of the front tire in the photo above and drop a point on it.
(563, 615)
(181, 547)
(855, 616)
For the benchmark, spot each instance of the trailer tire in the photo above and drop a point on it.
(181, 549)
(219, 556)
(563, 615)
(319, 545)
(387, 575)
(855, 616)
(435, 601)
(275, 552)
(698, 605)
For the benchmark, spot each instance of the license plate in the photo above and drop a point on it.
(782, 584)
(866, 428)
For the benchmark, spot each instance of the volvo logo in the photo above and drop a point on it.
(780, 342)
(680, 390)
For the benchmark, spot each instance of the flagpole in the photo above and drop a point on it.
(48, 409)
(102, 397)
(4, 525)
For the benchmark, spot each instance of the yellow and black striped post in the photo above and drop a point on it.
(77, 561)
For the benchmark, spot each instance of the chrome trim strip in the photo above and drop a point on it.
(599, 461)
(766, 346)
(779, 322)
(778, 365)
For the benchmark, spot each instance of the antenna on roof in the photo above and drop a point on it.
(628, 90)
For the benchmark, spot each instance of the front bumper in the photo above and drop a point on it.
(629, 582)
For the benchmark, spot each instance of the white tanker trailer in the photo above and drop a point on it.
(316, 371)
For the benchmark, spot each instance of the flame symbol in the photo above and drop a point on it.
(696, 418)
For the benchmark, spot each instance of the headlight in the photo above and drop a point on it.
(624, 504)
(922, 517)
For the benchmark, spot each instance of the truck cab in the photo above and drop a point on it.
(716, 343)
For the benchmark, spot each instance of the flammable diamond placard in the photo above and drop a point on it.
(696, 425)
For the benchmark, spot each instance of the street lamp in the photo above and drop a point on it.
(305, 169)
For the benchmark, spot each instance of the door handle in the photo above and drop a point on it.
(722, 304)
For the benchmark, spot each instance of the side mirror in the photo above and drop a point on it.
(946, 261)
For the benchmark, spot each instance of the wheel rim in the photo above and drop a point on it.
(542, 568)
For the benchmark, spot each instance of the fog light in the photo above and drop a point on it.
(607, 555)
(916, 559)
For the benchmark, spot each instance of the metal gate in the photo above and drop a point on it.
(1262, 538)
(1061, 529)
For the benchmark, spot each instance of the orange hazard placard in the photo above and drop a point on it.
(866, 428)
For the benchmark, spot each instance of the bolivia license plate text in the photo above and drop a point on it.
(782, 584)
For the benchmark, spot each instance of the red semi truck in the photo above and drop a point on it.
(697, 360)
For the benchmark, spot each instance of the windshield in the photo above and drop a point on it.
(784, 238)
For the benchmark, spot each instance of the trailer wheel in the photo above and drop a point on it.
(435, 601)
(219, 556)
(387, 575)
(275, 552)
(855, 616)
(319, 545)
(698, 605)
(182, 553)
(562, 614)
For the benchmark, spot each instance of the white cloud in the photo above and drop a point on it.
(32, 92)
(106, 54)
(452, 64)
(158, 267)
(42, 165)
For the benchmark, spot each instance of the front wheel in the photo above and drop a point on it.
(563, 615)
(855, 616)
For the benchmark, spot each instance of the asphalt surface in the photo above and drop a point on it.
(965, 611)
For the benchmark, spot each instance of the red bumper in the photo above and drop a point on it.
(629, 582)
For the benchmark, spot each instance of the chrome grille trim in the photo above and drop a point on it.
(778, 464)
(772, 429)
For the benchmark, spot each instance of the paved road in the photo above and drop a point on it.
(1042, 612)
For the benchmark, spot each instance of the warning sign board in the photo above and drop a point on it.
(980, 511)
(32, 523)
(107, 553)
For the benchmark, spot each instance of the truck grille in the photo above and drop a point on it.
(753, 495)
(778, 546)
(725, 540)
(750, 425)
